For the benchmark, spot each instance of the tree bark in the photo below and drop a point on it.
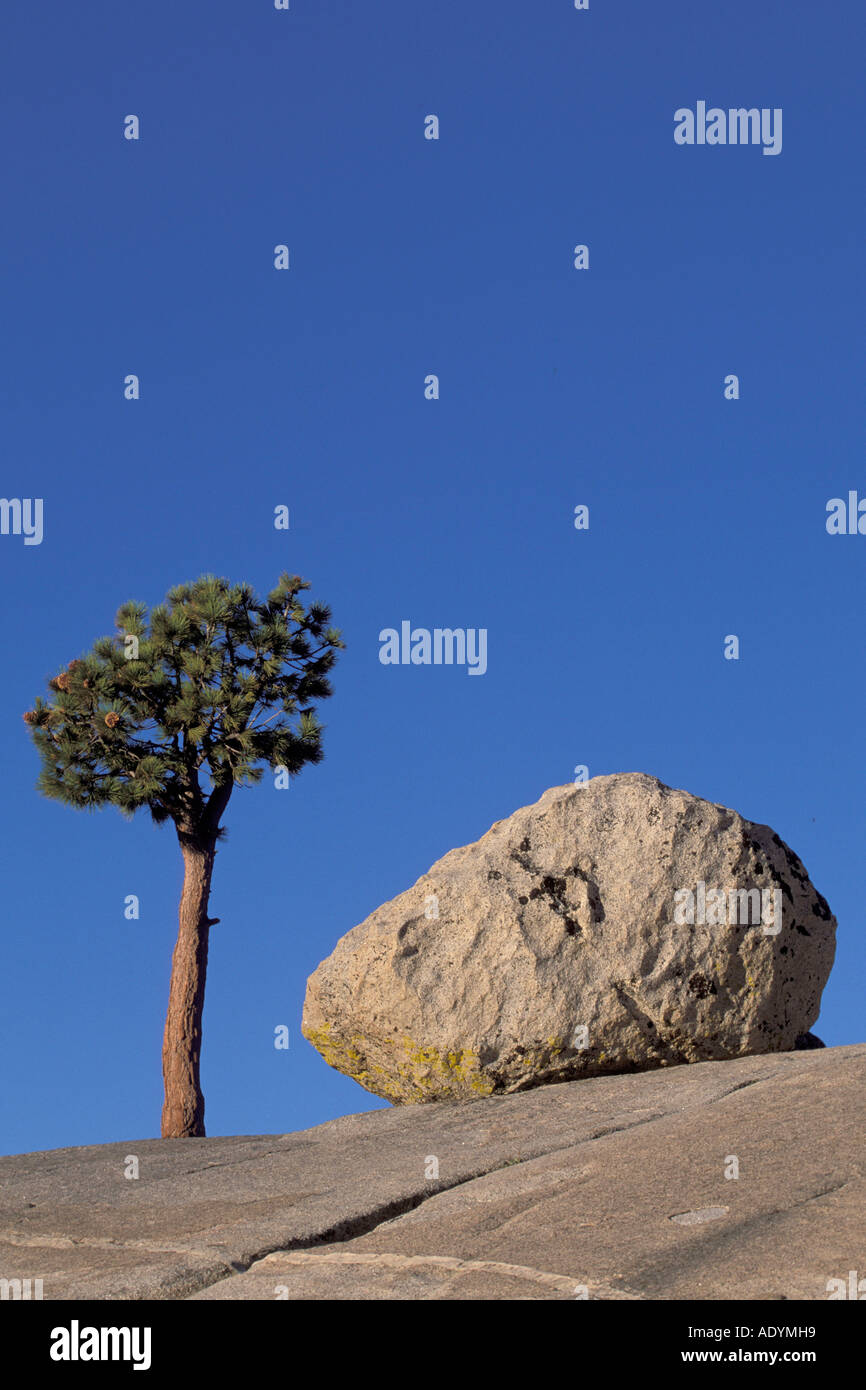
(183, 1110)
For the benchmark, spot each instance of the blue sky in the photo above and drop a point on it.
(558, 387)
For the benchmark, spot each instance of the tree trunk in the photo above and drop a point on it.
(183, 1110)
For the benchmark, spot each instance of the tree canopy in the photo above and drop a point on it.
(175, 710)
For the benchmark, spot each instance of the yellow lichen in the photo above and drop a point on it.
(423, 1072)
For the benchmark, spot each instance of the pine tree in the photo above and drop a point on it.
(172, 714)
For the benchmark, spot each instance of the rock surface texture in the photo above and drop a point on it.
(617, 1187)
(613, 926)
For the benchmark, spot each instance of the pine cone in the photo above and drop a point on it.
(112, 719)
